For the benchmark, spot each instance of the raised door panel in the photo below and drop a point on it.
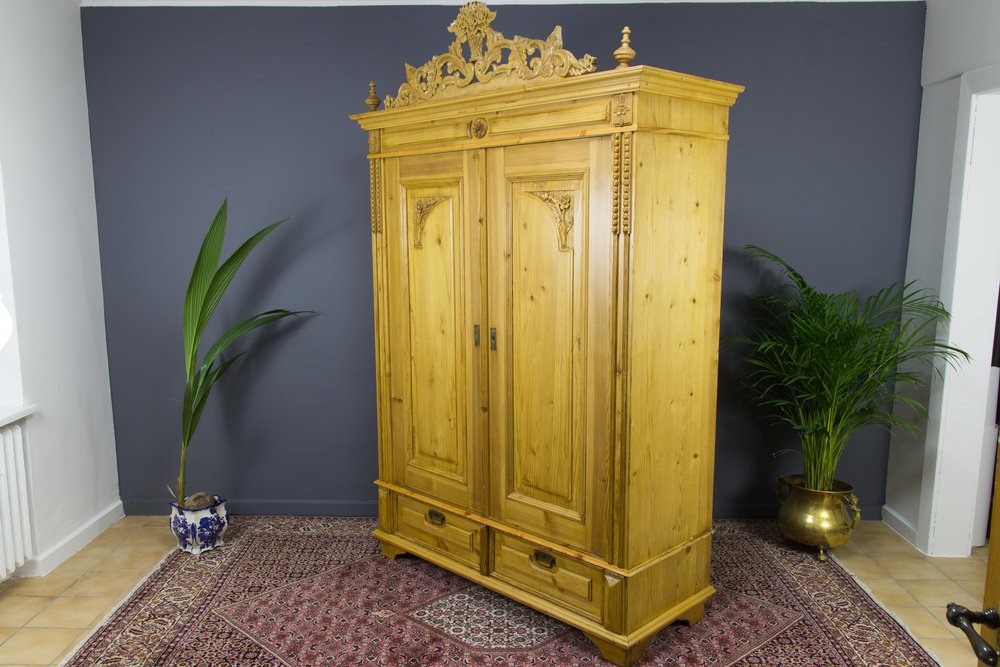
(550, 279)
(434, 293)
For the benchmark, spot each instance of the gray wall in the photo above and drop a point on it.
(189, 105)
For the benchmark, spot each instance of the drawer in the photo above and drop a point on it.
(442, 531)
(549, 574)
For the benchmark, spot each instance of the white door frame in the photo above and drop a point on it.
(970, 279)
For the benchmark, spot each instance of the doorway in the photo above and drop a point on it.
(944, 470)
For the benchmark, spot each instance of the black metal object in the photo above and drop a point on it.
(963, 619)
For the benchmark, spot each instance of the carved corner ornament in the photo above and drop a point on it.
(621, 110)
(526, 59)
(560, 203)
(421, 208)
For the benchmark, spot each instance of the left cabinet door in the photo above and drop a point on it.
(433, 248)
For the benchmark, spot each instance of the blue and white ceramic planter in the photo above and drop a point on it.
(199, 530)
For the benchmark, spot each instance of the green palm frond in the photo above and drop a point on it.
(826, 364)
(208, 284)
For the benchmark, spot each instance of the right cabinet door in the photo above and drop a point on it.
(550, 301)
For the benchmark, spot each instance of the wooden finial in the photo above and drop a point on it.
(625, 54)
(372, 101)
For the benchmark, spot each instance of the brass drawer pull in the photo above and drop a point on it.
(435, 517)
(543, 559)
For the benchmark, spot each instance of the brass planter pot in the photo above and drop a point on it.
(821, 519)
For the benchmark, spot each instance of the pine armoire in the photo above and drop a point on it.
(547, 249)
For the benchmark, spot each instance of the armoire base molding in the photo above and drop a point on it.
(618, 648)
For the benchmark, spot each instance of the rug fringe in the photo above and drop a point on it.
(863, 586)
(115, 608)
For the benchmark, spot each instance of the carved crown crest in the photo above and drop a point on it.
(526, 59)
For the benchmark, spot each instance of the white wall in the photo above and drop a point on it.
(51, 228)
(955, 249)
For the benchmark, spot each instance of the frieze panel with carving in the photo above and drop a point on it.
(492, 59)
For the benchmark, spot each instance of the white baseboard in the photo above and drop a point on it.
(899, 525)
(41, 565)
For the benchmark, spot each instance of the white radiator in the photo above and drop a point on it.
(15, 538)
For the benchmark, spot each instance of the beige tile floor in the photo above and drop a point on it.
(43, 618)
(916, 588)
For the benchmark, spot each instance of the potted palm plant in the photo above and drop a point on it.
(827, 364)
(199, 520)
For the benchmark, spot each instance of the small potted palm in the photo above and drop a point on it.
(199, 520)
(826, 364)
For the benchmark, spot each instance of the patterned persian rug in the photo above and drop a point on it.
(316, 591)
